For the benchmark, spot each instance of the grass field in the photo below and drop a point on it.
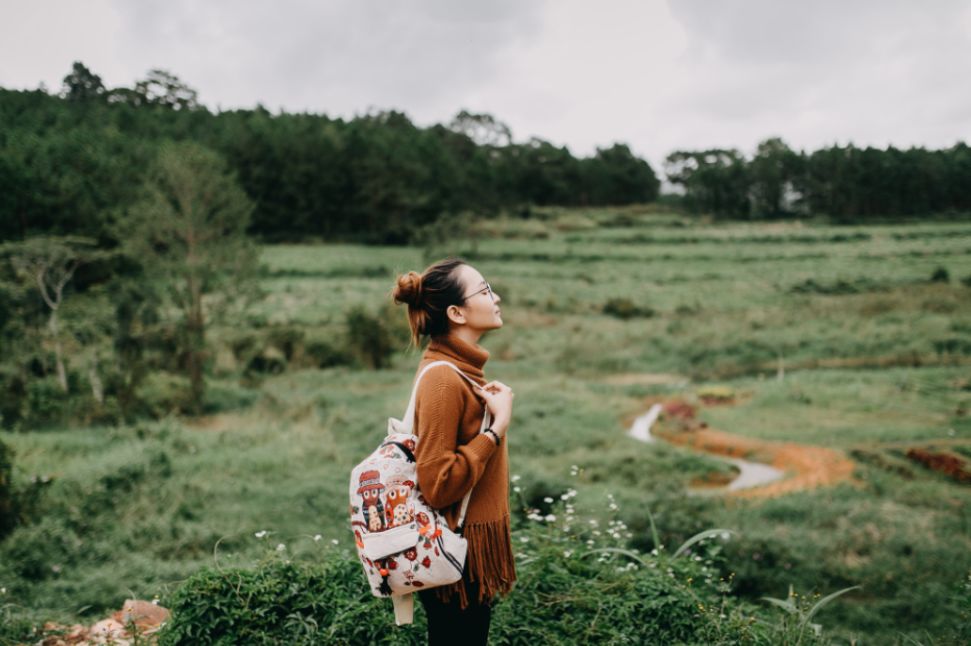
(830, 336)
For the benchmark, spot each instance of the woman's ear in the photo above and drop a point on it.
(455, 314)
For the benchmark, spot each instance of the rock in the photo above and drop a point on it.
(144, 614)
(108, 631)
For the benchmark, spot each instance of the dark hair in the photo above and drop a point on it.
(428, 296)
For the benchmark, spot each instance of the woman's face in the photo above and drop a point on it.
(481, 307)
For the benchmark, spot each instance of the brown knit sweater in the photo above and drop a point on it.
(453, 457)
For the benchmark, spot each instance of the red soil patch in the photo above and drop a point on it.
(680, 409)
(946, 463)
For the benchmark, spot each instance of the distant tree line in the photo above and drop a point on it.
(844, 182)
(71, 163)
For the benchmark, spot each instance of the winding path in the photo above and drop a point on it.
(776, 468)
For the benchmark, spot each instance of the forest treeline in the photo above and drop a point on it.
(72, 162)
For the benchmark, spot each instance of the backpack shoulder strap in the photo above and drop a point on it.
(409, 418)
(409, 421)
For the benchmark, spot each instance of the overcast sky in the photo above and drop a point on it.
(658, 75)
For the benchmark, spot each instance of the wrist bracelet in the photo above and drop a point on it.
(493, 434)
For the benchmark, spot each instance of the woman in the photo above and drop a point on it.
(452, 304)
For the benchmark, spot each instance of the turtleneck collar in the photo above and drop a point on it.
(470, 357)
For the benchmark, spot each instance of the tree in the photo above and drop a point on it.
(773, 172)
(82, 84)
(165, 89)
(49, 263)
(483, 129)
(188, 231)
(714, 181)
(616, 176)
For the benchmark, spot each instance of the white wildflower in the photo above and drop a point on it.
(260, 534)
(547, 500)
(317, 538)
(515, 478)
(334, 541)
(550, 518)
(567, 553)
(524, 539)
(281, 547)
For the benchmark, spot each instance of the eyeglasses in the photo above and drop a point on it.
(487, 288)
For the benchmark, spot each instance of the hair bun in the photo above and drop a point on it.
(408, 289)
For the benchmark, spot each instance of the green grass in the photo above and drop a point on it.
(872, 351)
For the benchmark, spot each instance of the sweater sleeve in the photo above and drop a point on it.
(446, 471)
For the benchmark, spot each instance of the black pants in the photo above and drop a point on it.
(448, 625)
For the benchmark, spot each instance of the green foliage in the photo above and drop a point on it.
(941, 275)
(75, 162)
(9, 511)
(369, 337)
(715, 181)
(861, 366)
(14, 629)
(575, 584)
(281, 602)
(188, 232)
(797, 626)
(624, 308)
(568, 591)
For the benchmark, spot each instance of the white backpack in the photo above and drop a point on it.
(404, 544)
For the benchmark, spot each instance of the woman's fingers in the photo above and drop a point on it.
(496, 386)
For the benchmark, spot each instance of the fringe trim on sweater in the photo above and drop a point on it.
(490, 567)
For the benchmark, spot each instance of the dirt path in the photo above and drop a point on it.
(803, 466)
(806, 466)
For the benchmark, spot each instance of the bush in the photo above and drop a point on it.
(940, 275)
(369, 338)
(322, 354)
(576, 584)
(624, 308)
(163, 393)
(281, 602)
(8, 508)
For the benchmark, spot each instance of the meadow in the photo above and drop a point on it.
(856, 338)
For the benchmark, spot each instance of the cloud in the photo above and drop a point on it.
(870, 72)
(657, 75)
(334, 57)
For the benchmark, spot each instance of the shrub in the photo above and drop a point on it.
(8, 508)
(163, 393)
(369, 338)
(624, 308)
(323, 354)
(281, 602)
(940, 275)
(577, 583)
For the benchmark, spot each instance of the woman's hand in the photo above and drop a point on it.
(498, 397)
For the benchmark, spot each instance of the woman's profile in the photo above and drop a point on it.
(452, 305)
